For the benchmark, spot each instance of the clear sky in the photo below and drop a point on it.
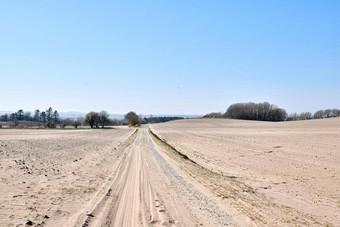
(174, 57)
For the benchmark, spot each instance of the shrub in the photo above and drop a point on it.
(64, 124)
(76, 124)
(213, 115)
(50, 124)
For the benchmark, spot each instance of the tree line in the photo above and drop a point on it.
(39, 116)
(133, 119)
(152, 119)
(269, 112)
(51, 119)
(320, 114)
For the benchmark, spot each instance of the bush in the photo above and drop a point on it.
(213, 115)
(76, 124)
(50, 124)
(64, 124)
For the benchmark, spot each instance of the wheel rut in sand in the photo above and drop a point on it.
(136, 197)
(130, 199)
(146, 190)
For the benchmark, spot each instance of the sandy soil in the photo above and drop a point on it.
(148, 188)
(277, 174)
(46, 175)
(100, 178)
(181, 173)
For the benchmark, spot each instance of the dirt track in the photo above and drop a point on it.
(147, 189)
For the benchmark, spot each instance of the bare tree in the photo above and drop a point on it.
(91, 118)
(64, 123)
(75, 124)
(50, 124)
(103, 117)
(318, 114)
(305, 116)
(336, 112)
(132, 118)
(15, 123)
(293, 117)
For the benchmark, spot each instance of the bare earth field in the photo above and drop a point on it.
(182, 173)
(277, 174)
(46, 175)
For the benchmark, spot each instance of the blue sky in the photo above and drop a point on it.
(174, 57)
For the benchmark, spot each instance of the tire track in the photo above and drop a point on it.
(146, 190)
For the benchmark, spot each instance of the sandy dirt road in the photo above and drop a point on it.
(149, 189)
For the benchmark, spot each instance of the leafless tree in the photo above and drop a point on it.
(15, 123)
(75, 124)
(64, 123)
(91, 118)
(319, 114)
(305, 116)
(103, 117)
(132, 118)
(293, 117)
(336, 112)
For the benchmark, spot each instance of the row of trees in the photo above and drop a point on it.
(133, 119)
(152, 119)
(51, 119)
(269, 112)
(39, 116)
(328, 113)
